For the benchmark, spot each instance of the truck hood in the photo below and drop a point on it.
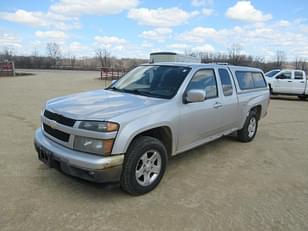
(99, 104)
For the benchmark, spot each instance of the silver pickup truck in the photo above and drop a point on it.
(128, 131)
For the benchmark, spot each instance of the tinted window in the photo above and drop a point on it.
(249, 80)
(258, 80)
(285, 75)
(152, 81)
(298, 75)
(244, 79)
(225, 82)
(204, 80)
(271, 73)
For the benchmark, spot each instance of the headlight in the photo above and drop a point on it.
(99, 126)
(85, 144)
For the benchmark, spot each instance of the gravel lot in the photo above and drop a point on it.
(224, 185)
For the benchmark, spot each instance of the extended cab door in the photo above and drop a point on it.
(200, 120)
(299, 83)
(229, 110)
(282, 82)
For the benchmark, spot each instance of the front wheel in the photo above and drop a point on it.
(248, 132)
(144, 165)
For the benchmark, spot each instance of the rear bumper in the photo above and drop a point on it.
(86, 166)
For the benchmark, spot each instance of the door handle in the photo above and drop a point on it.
(290, 81)
(302, 82)
(217, 105)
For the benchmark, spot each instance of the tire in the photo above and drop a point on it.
(249, 131)
(140, 173)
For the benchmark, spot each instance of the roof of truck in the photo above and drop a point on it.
(290, 70)
(204, 65)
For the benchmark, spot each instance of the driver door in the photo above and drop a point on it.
(283, 82)
(200, 120)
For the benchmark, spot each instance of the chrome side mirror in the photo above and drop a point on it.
(193, 96)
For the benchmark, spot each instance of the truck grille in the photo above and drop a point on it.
(59, 118)
(56, 133)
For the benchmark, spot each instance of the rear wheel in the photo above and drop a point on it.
(249, 131)
(144, 165)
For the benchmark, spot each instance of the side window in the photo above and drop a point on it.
(204, 80)
(298, 75)
(244, 79)
(258, 80)
(225, 82)
(284, 75)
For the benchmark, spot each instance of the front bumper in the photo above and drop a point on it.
(83, 165)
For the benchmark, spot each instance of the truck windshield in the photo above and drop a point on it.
(271, 73)
(152, 81)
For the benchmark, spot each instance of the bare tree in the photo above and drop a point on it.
(300, 64)
(206, 57)
(73, 61)
(7, 54)
(35, 53)
(103, 55)
(235, 54)
(304, 65)
(53, 52)
(189, 52)
(280, 59)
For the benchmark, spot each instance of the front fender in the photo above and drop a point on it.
(130, 131)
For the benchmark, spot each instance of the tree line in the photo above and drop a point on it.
(54, 59)
(235, 56)
(102, 58)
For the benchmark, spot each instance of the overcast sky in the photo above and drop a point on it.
(133, 28)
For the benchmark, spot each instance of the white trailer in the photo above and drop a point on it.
(159, 57)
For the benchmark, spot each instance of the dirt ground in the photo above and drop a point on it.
(223, 185)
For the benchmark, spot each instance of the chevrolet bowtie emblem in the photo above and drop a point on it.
(53, 124)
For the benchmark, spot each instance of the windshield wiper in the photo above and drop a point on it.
(136, 92)
(144, 93)
(113, 88)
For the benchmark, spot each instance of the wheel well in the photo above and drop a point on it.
(270, 88)
(258, 110)
(161, 133)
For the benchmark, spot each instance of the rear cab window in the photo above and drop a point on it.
(250, 80)
(225, 80)
(298, 75)
(258, 80)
